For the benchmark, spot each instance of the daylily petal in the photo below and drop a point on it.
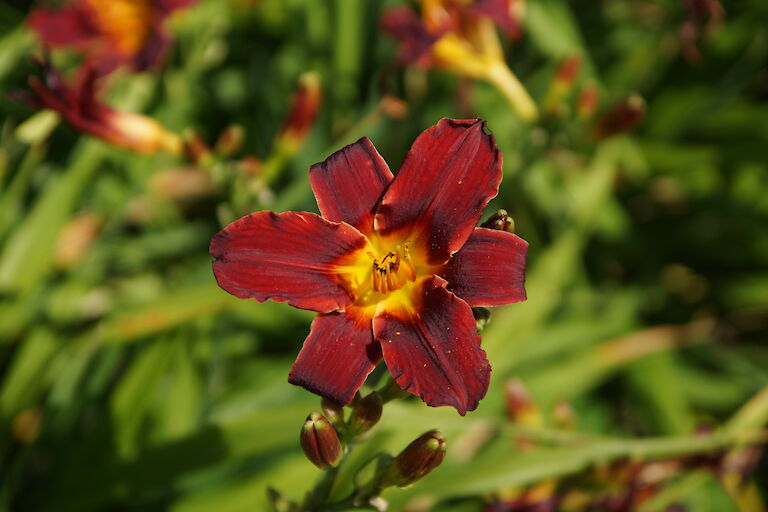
(287, 257)
(68, 25)
(434, 352)
(505, 13)
(450, 173)
(415, 40)
(153, 51)
(337, 356)
(489, 270)
(349, 184)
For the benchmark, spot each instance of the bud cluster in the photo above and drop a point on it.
(326, 437)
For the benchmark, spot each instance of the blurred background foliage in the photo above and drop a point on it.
(130, 381)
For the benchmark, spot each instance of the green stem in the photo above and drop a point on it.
(320, 493)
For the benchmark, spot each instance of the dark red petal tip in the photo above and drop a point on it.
(435, 353)
(450, 173)
(337, 356)
(349, 184)
(490, 269)
(287, 257)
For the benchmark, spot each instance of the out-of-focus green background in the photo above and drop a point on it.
(130, 381)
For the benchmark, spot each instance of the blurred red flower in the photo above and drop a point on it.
(460, 37)
(78, 104)
(393, 266)
(109, 33)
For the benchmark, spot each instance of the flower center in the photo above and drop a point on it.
(127, 22)
(391, 271)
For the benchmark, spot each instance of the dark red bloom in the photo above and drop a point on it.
(109, 33)
(78, 104)
(393, 266)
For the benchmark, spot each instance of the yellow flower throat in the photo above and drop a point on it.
(392, 271)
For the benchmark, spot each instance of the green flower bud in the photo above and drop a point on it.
(501, 221)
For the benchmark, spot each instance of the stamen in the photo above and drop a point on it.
(407, 259)
(385, 272)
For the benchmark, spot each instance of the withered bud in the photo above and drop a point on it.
(319, 441)
(303, 111)
(366, 413)
(416, 461)
(333, 411)
(520, 406)
(230, 140)
(195, 149)
(482, 317)
(501, 221)
(623, 117)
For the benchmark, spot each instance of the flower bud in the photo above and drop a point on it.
(501, 221)
(366, 413)
(303, 111)
(568, 70)
(230, 140)
(195, 149)
(589, 97)
(561, 86)
(319, 441)
(520, 406)
(333, 411)
(622, 117)
(417, 460)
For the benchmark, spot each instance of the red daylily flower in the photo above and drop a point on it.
(449, 30)
(109, 32)
(459, 36)
(78, 104)
(393, 266)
